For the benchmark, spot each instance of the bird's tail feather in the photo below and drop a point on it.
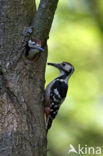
(49, 122)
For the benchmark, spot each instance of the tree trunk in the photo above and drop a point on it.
(22, 125)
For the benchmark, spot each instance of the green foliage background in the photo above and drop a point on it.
(77, 37)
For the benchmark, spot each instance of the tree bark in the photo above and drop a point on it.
(22, 125)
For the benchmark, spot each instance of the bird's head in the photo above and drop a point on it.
(35, 44)
(65, 67)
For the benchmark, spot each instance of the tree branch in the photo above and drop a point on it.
(43, 19)
(22, 123)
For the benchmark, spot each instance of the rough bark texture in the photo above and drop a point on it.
(22, 126)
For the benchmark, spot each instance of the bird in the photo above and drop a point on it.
(33, 47)
(56, 91)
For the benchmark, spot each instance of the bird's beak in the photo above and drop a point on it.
(55, 65)
(40, 48)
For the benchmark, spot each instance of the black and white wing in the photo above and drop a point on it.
(57, 95)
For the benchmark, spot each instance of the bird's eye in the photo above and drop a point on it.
(63, 64)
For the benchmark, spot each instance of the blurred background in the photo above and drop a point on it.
(77, 37)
